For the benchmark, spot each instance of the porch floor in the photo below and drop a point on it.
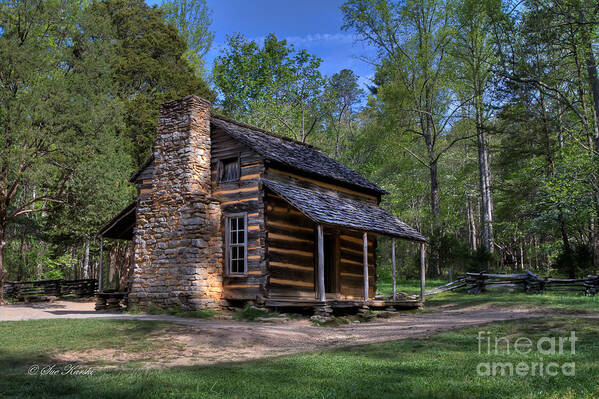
(343, 303)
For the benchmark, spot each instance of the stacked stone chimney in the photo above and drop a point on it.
(178, 239)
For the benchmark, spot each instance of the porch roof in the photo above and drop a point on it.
(329, 209)
(121, 226)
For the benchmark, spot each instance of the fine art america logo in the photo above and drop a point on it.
(544, 350)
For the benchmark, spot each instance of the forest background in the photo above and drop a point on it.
(482, 122)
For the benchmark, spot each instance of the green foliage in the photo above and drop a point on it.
(59, 115)
(577, 262)
(341, 97)
(274, 87)
(192, 19)
(80, 87)
(58, 267)
(481, 260)
(149, 67)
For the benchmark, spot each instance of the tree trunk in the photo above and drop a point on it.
(472, 237)
(435, 269)
(435, 208)
(337, 145)
(486, 208)
(86, 260)
(521, 256)
(2, 272)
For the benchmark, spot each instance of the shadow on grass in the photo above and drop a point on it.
(441, 366)
(573, 303)
(26, 342)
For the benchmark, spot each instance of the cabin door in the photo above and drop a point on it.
(330, 266)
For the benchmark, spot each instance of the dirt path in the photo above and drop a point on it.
(192, 341)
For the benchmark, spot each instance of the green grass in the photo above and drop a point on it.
(559, 302)
(196, 314)
(175, 311)
(441, 366)
(573, 303)
(411, 287)
(250, 313)
(27, 342)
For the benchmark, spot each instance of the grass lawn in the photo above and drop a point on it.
(559, 302)
(441, 366)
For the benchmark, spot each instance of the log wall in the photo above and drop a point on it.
(351, 265)
(350, 268)
(290, 250)
(244, 195)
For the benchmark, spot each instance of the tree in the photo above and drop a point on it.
(474, 53)
(55, 106)
(341, 95)
(274, 87)
(413, 40)
(149, 67)
(193, 19)
(545, 60)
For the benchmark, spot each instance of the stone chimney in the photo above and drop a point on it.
(178, 240)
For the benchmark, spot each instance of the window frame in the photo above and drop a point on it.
(221, 169)
(228, 268)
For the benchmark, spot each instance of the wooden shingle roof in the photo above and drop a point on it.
(328, 209)
(293, 154)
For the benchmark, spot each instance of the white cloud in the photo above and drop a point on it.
(322, 38)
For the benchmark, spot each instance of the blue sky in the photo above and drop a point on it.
(311, 24)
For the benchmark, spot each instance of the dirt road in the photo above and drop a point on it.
(195, 341)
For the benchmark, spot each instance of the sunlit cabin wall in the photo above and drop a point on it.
(290, 248)
(242, 196)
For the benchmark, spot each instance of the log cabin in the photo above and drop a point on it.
(226, 212)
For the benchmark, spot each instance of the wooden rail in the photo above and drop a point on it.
(56, 288)
(476, 283)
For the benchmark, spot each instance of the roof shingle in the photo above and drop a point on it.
(294, 154)
(325, 208)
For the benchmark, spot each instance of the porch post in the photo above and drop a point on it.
(422, 271)
(365, 266)
(101, 268)
(321, 289)
(394, 273)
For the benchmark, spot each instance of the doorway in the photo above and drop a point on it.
(330, 263)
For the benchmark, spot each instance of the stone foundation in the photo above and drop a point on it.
(178, 235)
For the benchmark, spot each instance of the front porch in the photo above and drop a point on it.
(375, 304)
(344, 240)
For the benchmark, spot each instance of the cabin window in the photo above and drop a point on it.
(236, 242)
(229, 170)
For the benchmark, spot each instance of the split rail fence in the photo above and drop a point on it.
(528, 281)
(56, 288)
